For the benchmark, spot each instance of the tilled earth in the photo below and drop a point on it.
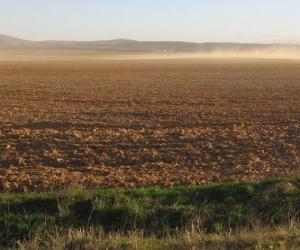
(145, 123)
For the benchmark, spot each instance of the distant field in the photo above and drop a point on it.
(33, 55)
(90, 122)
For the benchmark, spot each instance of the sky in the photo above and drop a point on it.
(177, 20)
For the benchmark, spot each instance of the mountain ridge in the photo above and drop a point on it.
(129, 45)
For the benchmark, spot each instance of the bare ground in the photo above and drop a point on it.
(126, 123)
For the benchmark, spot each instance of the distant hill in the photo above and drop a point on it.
(125, 45)
(9, 41)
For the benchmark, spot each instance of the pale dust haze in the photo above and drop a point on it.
(67, 55)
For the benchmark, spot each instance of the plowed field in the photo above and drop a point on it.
(144, 123)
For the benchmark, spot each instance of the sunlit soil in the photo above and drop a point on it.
(144, 123)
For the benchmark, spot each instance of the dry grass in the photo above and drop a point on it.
(143, 123)
(257, 238)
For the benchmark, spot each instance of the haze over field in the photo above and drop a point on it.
(132, 49)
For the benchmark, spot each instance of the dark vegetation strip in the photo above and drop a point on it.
(155, 211)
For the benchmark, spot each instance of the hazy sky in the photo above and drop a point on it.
(188, 20)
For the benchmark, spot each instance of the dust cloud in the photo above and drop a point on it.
(89, 56)
(271, 54)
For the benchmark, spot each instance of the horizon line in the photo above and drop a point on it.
(139, 40)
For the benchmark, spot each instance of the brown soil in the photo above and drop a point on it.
(142, 123)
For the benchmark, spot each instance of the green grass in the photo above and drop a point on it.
(156, 212)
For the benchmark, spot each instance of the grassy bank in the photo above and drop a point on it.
(215, 214)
